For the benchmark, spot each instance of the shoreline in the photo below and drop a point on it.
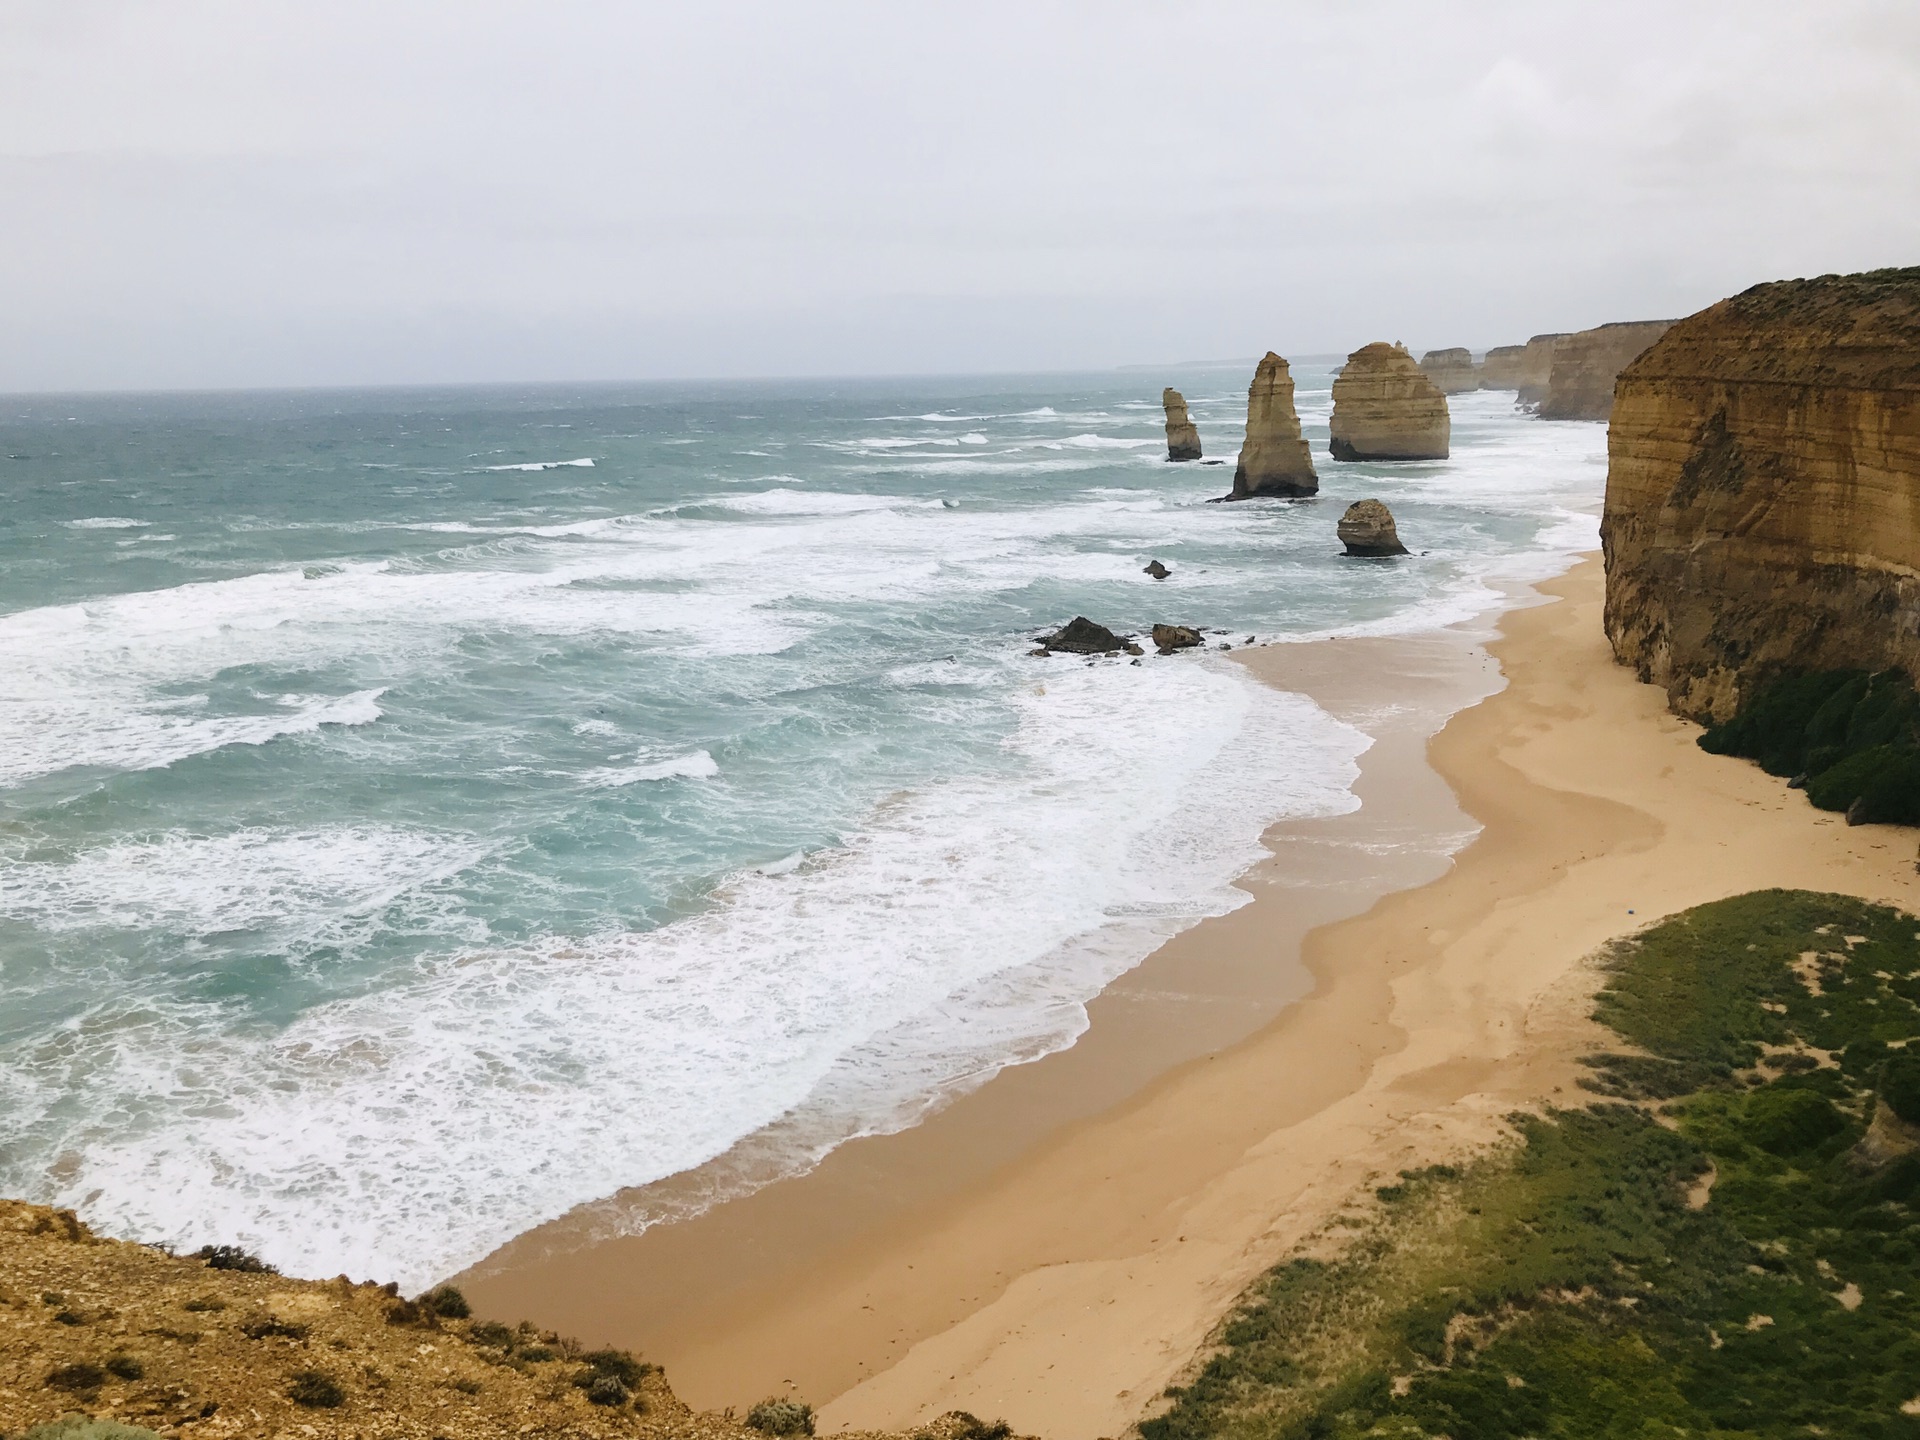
(1066, 1287)
(692, 1293)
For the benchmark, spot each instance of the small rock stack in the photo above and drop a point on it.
(1367, 529)
(1183, 440)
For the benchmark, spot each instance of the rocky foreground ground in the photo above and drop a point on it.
(182, 1347)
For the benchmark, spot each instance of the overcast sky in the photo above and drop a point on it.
(279, 192)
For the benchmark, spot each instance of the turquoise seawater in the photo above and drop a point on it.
(422, 812)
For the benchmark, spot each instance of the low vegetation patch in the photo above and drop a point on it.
(1850, 737)
(781, 1417)
(1585, 1280)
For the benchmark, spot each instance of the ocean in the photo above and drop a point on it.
(423, 812)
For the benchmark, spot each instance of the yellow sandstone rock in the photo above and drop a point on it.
(1580, 386)
(1763, 490)
(1274, 459)
(1385, 408)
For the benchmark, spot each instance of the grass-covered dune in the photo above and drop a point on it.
(1726, 1244)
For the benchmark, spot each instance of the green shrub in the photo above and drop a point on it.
(79, 1427)
(316, 1390)
(82, 1375)
(126, 1367)
(607, 1390)
(968, 1426)
(1854, 736)
(491, 1333)
(446, 1302)
(781, 1417)
(619, 1364)
(1791, 1122)
(232, 1257)
(1900, 1085)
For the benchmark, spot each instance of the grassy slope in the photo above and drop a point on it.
(1566, 1286)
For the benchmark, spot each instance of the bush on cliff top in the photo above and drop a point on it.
(1584, 1282)
(1855, 737)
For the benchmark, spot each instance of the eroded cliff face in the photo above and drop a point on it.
(1580, 384)
(1763, 491)
(1274, 459)
(1452, 371)
(1385, 408)
(1183, 440)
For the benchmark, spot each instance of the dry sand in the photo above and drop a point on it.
(1056, 1248)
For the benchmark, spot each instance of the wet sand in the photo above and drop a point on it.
(1055, 1247)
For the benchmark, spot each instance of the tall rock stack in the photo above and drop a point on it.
(1385, 408)
(1183, 441)
(1453, 371)
(1274, 460)
(1580, 385)
(1763, 491)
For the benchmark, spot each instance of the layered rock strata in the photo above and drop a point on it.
(1368, 529)
(1183, 440)
(1274, 459)
(1385, 408)
(1763, 491)
(1580, 386)
(1453, 371)
(1524, 368)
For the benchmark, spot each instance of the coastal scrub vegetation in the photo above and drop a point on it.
(1850, 737)
(781, 1417)
(1725, 1243)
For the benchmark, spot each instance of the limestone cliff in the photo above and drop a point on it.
(1183, 440)
(1580, 386)
(1763, 491)
(1385, 408)
(1274, 459)
(1452, 371)
(1524, 368)
(1500, 369)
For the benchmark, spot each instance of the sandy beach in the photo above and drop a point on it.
(1055, 1247)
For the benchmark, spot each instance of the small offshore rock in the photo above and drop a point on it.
(1367, 529)
(1157, 570)
(1183, 440)
(1175, 637)
(1080, 636)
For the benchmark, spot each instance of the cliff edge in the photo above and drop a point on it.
(1586, 363)
(1763, 491)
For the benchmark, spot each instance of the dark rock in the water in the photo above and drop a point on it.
(1274, 460)
(1183, 440)
(1175, 637)
(1080, 636)
(1157, 570)
(1367, 529)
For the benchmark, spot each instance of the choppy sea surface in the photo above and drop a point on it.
(422, 812)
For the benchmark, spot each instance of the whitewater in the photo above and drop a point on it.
(425, 812)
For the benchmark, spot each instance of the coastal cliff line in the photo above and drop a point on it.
(1762, 509)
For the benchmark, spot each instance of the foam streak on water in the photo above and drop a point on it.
(406, 837)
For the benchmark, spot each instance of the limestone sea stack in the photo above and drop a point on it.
(1580, 385)
(1385, 408)
(1763, 491)
(1183, 441)
(1453, 371)
(1274, 460)
(1367, 529)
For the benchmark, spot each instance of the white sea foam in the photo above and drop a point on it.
(697, 766)
(108, 522)
(544, 465)
(253, 878)
(963, 927)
